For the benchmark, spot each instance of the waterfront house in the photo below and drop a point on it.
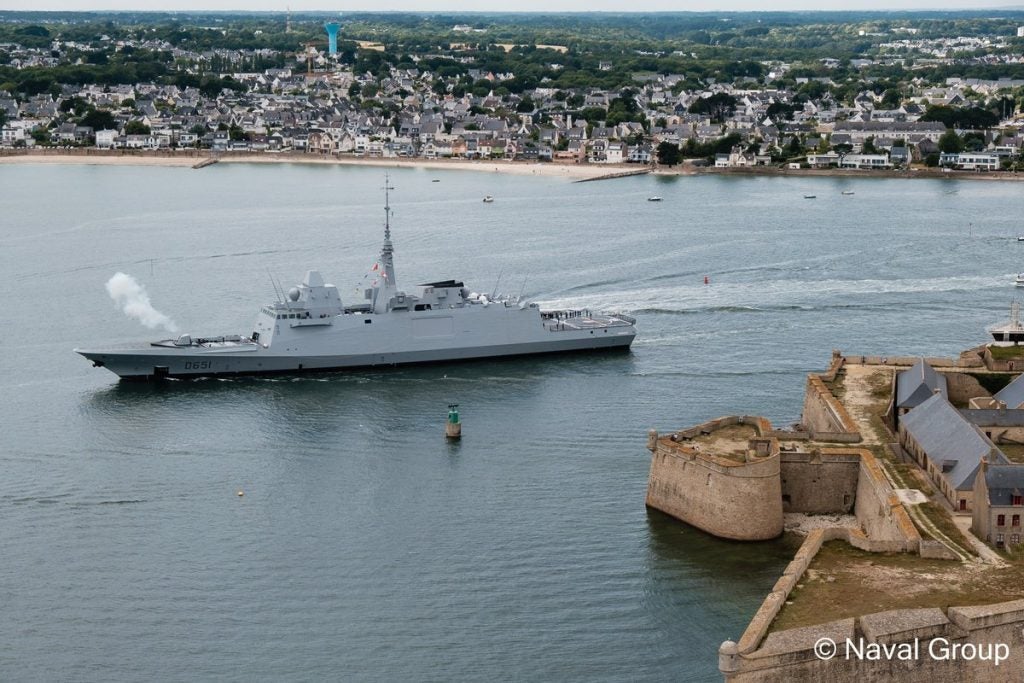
(865, 161)
(999, 504)
(948, 447)
(105, 138)
(899, 154)
(970, 161)
(11, 136)
(640, 154)
(823, 160)
(616, 153)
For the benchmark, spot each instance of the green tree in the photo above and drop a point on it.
(950, 142)
(668, 154)
(135, 127)
(795, 148)
(525, 106)
(99, 119)
(719, 106)
(892, 98)
(593, 114)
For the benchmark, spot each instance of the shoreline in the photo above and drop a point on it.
(189, 158)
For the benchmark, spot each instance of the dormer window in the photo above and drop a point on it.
(1018, 500)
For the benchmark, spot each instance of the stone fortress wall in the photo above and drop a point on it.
(790, 656)
(736, 499)
(745, 500)
(728, 498)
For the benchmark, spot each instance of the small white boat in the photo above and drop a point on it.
(847, 192)
(655, 198)
(1020, 238)
(488, 199)
(1019, 280)
(810, 196)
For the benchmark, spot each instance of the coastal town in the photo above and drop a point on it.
(787, 497)
(353, 99)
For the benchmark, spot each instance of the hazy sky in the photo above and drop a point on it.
(520, 5)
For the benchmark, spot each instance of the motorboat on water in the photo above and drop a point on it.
(655, 198)
(488, 199)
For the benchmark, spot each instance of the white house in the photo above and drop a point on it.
(865, 161)
(105, 138)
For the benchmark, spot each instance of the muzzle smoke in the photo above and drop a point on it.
(131, 298)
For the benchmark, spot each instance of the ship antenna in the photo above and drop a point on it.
(494, 292)
(387, 207)
(274, 285)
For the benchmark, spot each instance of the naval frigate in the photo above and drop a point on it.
(309, 329)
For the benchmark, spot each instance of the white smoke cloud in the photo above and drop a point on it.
(131, 298)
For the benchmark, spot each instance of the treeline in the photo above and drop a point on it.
(37, 80)
(607, 51)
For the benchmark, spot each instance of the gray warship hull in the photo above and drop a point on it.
(309, 329)
(357, 340)
(143, 365)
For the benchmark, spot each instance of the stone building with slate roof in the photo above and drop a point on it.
(1012, 395)
(999, 504)
(948, 447)
(917, 385)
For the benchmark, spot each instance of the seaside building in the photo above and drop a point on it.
(948, 447)
(1012, 395)
(917, 385)
(999, 504)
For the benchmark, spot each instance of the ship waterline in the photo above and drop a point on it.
(206, 358)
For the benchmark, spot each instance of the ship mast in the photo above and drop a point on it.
(383, 292)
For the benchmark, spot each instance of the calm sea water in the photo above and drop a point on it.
(366, 547)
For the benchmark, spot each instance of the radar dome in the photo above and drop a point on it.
(293, 293)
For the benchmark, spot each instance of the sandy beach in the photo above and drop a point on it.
(189, 159)
(575, 172)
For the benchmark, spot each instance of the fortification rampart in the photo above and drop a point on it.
(824, 417)
(739, 499)
(961, 387)
(884, 521)
(817, 483)
(790, 655)
(1002, 365)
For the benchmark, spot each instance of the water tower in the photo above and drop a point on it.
(332, 37)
